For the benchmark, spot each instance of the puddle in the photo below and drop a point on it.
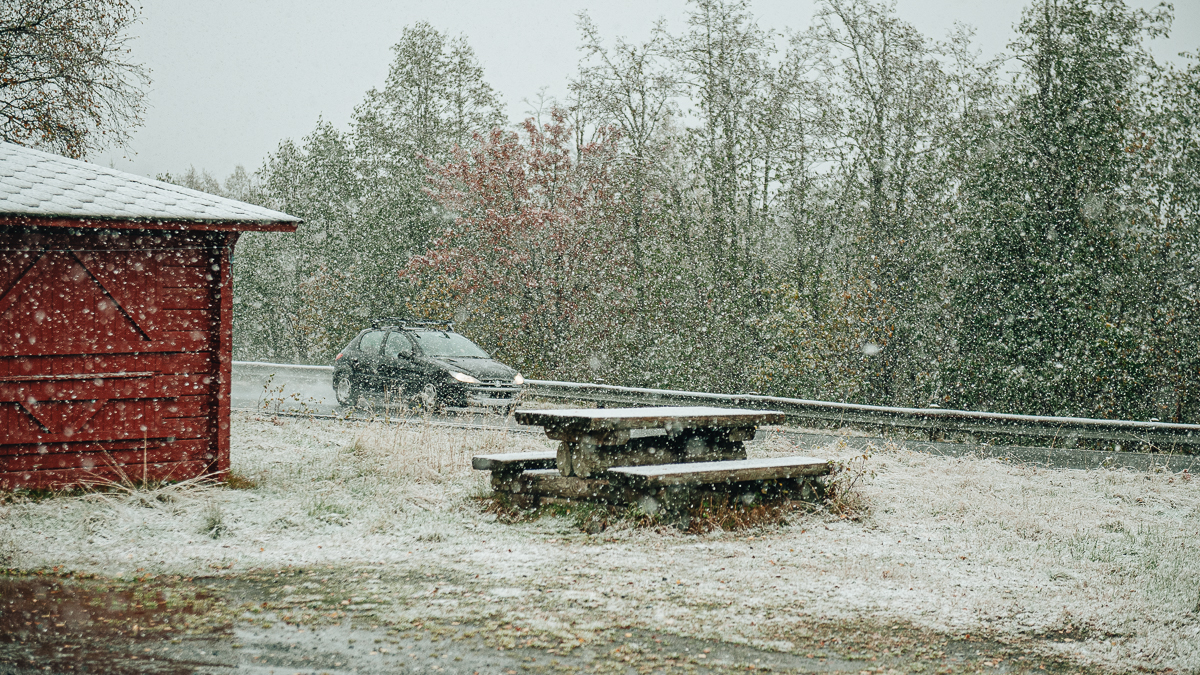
(172, 626)
(66, 625)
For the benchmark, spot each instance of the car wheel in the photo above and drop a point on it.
(428, 397)
(346, 390)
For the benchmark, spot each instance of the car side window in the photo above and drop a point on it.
(397, 345)
(369, 344)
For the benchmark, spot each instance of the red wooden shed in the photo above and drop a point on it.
(115, 323)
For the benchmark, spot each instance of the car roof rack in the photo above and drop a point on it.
(401, 322)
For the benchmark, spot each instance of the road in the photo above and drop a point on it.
(279, 388)
(283, 389)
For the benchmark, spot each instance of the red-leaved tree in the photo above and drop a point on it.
(533, 266)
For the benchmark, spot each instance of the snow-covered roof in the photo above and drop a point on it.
(40, 185)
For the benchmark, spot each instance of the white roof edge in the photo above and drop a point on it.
(38, 184)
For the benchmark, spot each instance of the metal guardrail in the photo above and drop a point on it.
(257, 371)
(1059, 431)
(270, 367)
(1162, 436)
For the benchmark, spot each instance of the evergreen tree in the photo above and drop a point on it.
(1169, 182)
(1048, 304)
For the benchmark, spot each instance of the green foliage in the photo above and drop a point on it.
(1052, 306)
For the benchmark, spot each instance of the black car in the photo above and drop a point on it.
(423, 361)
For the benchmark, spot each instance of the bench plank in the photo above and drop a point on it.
(733, 471)
(550, 483)
(515, 461)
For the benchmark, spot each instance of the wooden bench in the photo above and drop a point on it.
(663, 459)
(674, 487)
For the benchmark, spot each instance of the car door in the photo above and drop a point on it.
(366, 360)
(397, 369)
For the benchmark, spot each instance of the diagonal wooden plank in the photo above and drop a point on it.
(94, 266)
(27, 277)
(57, 416)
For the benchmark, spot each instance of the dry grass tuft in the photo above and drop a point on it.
(500, 504)
(732, 517)
(844, 496)
(418, 450)
(235, 480)
(145, 493)
(714, 512)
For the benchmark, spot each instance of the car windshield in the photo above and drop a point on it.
(447, 344)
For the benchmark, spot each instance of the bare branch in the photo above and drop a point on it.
(66, 82)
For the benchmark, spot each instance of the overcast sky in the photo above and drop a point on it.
(232, 78)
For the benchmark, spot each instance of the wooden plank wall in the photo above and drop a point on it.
(108, 355)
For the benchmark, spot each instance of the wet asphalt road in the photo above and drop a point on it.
(297, 391)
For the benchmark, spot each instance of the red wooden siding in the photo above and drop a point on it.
(109, 355)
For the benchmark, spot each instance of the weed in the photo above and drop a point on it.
(212, 521)
(272, 399)
(329, 512)
(843, 498)
(733, 515)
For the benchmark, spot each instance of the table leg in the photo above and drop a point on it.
(563, 460)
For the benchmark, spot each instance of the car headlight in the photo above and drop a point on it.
(518, 379)
(463, 377)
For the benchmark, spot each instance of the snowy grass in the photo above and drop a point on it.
(962, 545)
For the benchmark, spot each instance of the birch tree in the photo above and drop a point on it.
(890, 109)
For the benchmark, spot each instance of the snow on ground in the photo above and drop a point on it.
(953, 544)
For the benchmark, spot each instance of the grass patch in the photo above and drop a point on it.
(212, 521)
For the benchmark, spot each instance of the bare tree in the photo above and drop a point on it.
(630, 87)
(66, 82)
(892, 109)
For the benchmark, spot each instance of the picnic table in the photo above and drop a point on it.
(652, 456)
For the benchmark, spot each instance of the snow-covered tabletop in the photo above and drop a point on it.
(665, 417)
